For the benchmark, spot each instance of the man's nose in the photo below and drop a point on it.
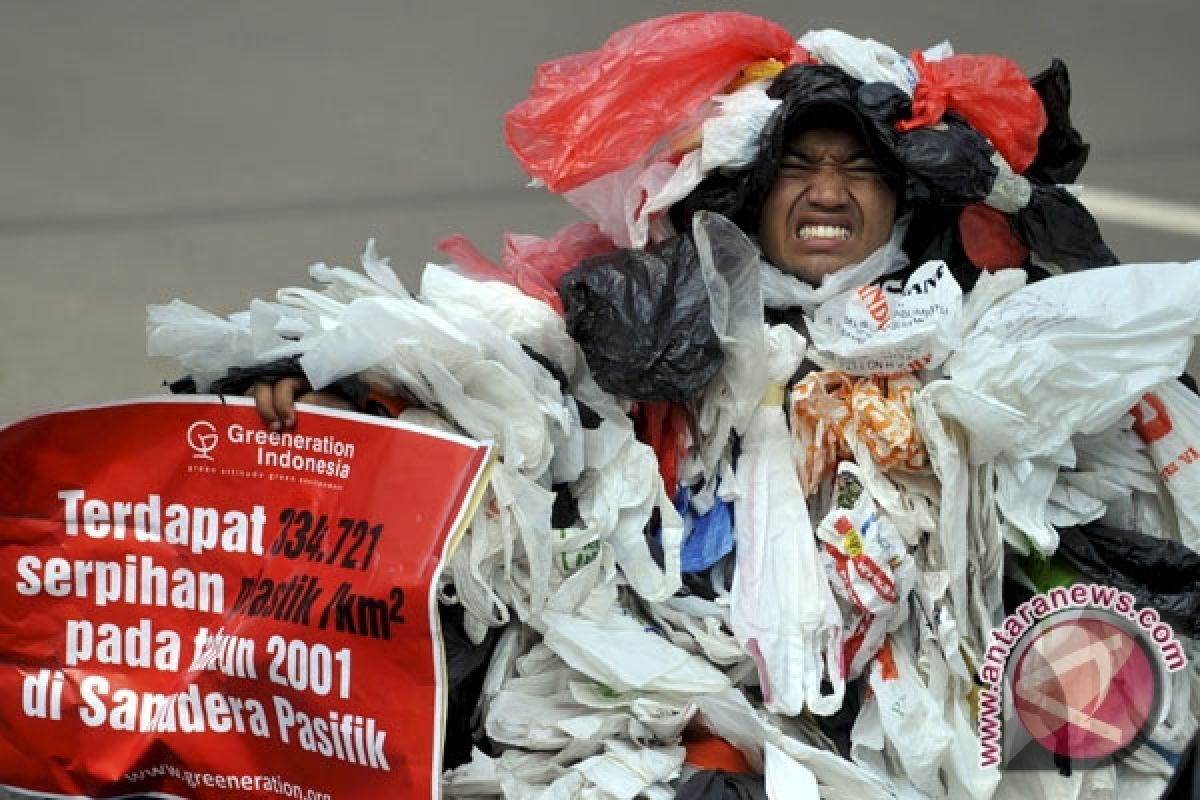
(828, 187)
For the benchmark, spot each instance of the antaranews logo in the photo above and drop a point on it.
(1073, 676)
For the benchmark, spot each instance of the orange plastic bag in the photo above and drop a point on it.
(829, 409)
(991, 93)
(589, 114)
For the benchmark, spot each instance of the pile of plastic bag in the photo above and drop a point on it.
(706, 524)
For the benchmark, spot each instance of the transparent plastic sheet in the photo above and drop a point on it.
(729, 262)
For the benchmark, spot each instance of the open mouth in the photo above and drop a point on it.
(807, 233)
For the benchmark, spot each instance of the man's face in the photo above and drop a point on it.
(829, 206)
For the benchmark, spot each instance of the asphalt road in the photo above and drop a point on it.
(153, 149)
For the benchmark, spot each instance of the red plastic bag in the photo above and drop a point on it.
(589, 114)
(539, 264)
(532, 264)
(991, 93)
(988, 240)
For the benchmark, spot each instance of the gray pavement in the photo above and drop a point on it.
(156, 149)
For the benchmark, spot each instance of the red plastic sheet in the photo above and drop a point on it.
(592, 113)
(197, 607)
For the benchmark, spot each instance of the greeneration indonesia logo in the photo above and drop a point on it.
(1073, 677)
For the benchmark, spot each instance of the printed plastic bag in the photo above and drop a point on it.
(867, 564)
(594, 113)
(890, 328)
(1168, 421)
(837, 417)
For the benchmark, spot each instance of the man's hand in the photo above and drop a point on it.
(276, 401)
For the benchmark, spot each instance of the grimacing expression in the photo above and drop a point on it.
(829, 206)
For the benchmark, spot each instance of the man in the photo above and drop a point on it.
(831, 204)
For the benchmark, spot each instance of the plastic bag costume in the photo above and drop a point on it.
(731, 504)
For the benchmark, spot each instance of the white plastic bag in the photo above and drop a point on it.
(1168, 420)
(865, 59)
(1071, 354)
(890, 328)
(783, 610)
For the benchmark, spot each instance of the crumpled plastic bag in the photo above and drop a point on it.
(593, 113)
(1061, 151)
(531, 263)
(1069, 354)
(621, 653)
(868, 566)
(832, 414)
(950, 164)
(890, 328)
(642, 319)
(1161, 574)
(731, 139)
(865, 59)
(1061, 231)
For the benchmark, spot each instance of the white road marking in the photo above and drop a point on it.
(1123, 208)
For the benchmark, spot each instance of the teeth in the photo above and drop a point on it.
(823, 232)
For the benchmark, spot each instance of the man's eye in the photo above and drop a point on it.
(863, 168)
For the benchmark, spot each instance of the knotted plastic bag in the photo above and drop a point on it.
(990, 92)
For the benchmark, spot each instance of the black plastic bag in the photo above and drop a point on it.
(1061, 150)
(1161, 574)
(1058, 229)
(950, 165)
(466, 667)
(642, 320)
(717, 784)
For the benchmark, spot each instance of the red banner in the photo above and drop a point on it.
(193, 605)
